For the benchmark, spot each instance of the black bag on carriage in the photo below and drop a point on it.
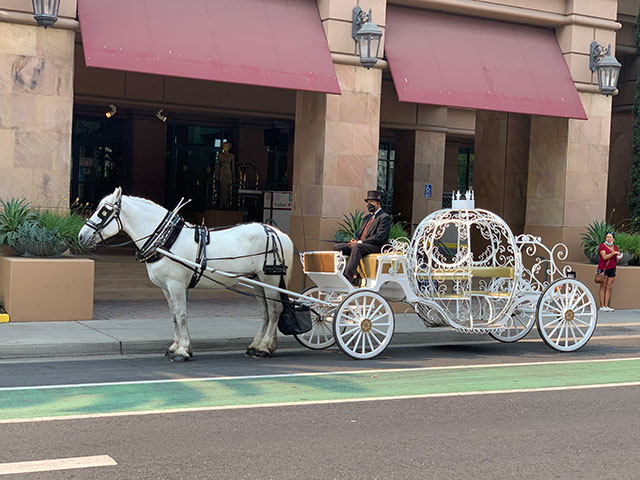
(294, 319)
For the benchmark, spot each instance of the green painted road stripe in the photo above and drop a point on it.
(140, 397)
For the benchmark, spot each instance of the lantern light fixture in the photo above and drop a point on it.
(367, 35)
(111, 112)
(606, 66)
(161, 116)
(46, 12)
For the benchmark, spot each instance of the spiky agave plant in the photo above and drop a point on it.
(13, 214)
(349, 226)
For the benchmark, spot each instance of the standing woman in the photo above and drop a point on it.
(609, 255)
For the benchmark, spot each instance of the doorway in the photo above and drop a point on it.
(192, 153)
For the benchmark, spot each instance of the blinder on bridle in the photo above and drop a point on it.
(107, 213)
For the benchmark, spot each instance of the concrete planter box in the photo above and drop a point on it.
(46, 289)
(625, 288)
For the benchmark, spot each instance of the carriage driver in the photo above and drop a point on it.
(373, 234)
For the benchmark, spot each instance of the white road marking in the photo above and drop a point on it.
(315, 374)
(317, 402)
(56, 464)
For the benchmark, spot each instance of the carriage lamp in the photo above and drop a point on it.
(367, 35)
(46, 12)
(571, 274)
(606, 66)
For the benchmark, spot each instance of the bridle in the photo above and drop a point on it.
(107, 213)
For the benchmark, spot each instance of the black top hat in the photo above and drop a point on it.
(373, 195)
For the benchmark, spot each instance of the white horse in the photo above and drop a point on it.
(241, 251)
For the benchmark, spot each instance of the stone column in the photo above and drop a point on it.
(335, 155)
(569, 159)
(568, 167)
(428, 168)
(36, 105)
(500, 165)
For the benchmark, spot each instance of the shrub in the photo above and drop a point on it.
(596, 234)
(14, 213)
(398, 231)
(349, 227)
(66, 225)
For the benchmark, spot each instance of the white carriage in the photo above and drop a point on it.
(462, 268)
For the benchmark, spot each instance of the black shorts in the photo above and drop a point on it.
(609, 272)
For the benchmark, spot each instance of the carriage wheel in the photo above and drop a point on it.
(566, 315)
(363, 325)
(321, 334)
(519, 323)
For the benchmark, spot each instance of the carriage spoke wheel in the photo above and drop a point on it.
(363, 325)
(566, 315)
(519, 323)
(321, 334)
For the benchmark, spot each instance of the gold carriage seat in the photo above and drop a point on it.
(484, 272)
(368, 265)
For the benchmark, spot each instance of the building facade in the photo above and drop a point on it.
(548, 155)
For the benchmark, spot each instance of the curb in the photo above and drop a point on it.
(114, 347)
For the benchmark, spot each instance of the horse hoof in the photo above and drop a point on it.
(260, 354)
(179, 358)
(251, 352)
(169, 354)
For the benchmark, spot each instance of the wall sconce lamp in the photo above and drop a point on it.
(161, 116)
(111, 112)
(367, 35)
(607, 67)
(46, 12)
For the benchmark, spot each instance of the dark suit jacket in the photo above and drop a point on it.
(378, 233)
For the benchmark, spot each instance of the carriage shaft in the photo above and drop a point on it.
(250, 281)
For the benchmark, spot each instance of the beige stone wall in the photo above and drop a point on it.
(568, 166)
(36, 101)
(428, 169)
(501, 164)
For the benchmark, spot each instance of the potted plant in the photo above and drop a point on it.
(595, 235)
(349, 227)
(42, 233)
(629, 245)
(13, 214)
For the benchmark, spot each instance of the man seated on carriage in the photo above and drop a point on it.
(373, 234)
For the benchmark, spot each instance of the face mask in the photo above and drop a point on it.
(371, 207)
(608, 243)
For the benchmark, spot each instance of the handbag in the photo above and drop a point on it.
(294, 319)
(600, 277)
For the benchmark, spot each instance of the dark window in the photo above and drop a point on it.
(386, 163)
(97, 166)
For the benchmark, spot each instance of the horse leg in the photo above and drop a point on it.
(184, 351)
(269, 341)
(170, 353)
(264, 313)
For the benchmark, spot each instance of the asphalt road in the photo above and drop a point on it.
(575, 433)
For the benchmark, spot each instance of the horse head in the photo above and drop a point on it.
(105, 222)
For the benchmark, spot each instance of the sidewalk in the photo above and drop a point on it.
(227, 323)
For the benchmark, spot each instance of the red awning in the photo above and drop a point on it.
(274, 43)
(443, 59)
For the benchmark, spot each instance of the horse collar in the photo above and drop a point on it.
(164, 236)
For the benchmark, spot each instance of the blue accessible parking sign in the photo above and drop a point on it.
(428, 189)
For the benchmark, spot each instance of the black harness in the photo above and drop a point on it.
(201, 237)
(107, 214)
(164, 236)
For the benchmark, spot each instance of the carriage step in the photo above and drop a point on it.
(481, 330)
